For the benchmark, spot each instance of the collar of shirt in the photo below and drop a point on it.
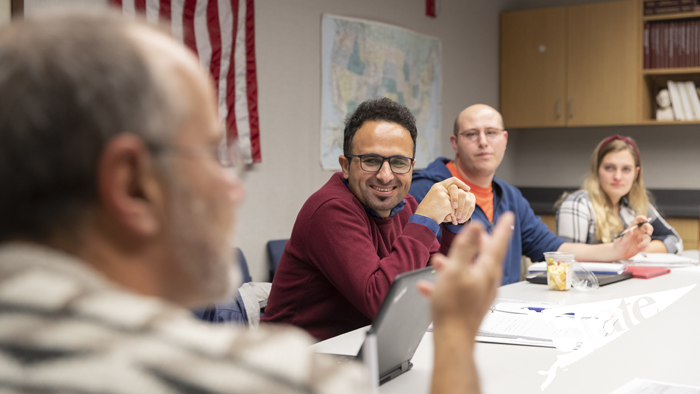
(372, 212)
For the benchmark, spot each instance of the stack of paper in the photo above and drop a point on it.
(663, 260)
(596, 268)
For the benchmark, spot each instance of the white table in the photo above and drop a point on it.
(664, 347)
(693, 253)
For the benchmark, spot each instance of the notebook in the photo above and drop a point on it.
(400, 324)
(647, 272)
(603, 279)
(596, 268)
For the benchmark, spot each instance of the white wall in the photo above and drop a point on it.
(288, 40)
(5, 11)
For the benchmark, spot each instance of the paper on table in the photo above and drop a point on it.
(663, 260)
(596, 268)
(511, 322)
(515, 306)
(534, 329)
(694, 269)
(644, 386)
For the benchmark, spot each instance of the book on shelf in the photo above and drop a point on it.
(667, 3)
(659, 7)
(685, 100)
(671, 44)
(671, 10)
(676, 103)
(694, 100)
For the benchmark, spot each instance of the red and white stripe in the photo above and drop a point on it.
(222, 34)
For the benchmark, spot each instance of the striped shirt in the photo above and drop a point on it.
(576, 222)
(64, 328)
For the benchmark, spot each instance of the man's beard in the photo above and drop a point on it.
(204, 256)
(383, 203)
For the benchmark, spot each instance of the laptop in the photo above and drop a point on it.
(400, 325)
(603, 279)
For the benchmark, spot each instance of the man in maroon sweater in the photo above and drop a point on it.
(361, 229)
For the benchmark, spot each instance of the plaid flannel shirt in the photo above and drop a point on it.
(576, 222)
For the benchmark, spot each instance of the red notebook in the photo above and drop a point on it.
(646, 272)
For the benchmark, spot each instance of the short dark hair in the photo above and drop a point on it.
(68, 84)
(383, 109)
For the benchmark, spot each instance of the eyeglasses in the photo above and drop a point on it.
(228, 155)
(473, 134)
(374, 163)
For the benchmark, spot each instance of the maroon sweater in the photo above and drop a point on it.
(340, 262)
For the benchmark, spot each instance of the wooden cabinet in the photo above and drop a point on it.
(603, 62)
(533, 67)
(571, 66)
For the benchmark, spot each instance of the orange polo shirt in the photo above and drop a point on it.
(484, 195)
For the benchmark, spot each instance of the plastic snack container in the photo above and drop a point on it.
(559, 270)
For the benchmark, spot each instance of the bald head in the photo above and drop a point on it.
(479, 142)
(469, 114)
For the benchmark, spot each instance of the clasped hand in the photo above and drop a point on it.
(448, 201)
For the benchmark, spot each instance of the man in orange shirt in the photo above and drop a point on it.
(479, 142)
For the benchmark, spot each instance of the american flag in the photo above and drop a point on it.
(222, 34)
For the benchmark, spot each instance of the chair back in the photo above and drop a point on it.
(275, 248)
(231, 310)
(243, 265)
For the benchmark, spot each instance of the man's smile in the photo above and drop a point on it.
(383, 189)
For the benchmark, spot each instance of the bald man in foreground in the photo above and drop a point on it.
(479, 142)
(116, 211)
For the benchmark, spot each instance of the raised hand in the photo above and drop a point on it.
(465, 287)
(469, 276)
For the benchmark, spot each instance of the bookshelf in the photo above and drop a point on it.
(654, 79)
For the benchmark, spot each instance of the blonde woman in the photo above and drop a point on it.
(612, 195)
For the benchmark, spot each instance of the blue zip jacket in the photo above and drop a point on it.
(531, 237)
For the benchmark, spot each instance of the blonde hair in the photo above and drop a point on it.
(607, 223)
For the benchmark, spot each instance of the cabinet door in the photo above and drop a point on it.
(604, 61)
(533, 68)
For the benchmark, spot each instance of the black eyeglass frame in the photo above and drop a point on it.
(411, 159)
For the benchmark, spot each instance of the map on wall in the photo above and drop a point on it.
(364, 60)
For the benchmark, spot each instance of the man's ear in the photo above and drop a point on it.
(345, 166)
(453, 142)
(505, 136)
(129, 192)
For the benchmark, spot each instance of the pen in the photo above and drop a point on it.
(640, 224)
(540, 309)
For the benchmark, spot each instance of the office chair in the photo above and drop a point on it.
(232, 310)
(275, 248)
(243, 265)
